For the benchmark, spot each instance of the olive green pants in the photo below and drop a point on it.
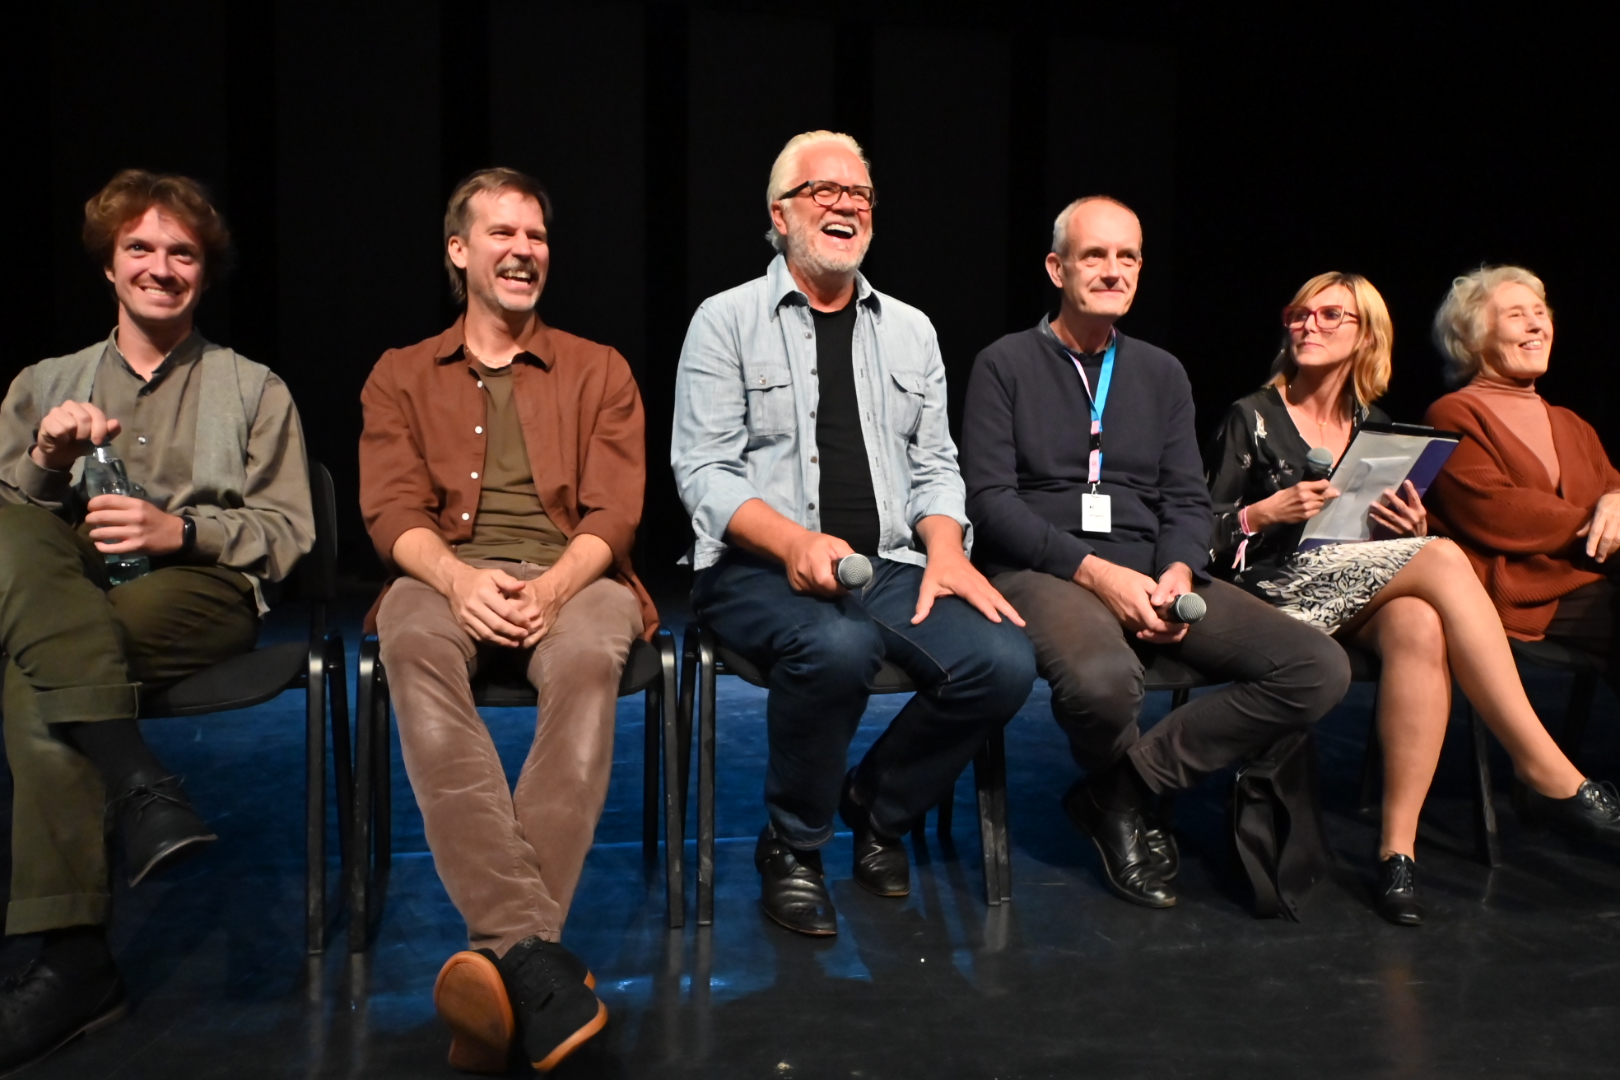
(79, 650)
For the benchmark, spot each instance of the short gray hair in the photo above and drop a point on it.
(1060, 224)
(788, 160)
(1460, 325)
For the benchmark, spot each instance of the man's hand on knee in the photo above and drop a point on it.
(490, 605)
(1129, 596)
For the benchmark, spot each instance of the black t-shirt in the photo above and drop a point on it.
(848, 503)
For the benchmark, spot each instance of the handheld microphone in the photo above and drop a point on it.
(853, 571)
(1319, 463)
(1187, 608)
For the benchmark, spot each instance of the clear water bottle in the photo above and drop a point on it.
(104, 474)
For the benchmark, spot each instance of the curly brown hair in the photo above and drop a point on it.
(135, 191)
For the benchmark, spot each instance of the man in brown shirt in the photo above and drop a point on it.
(104, 595)
(501, 475)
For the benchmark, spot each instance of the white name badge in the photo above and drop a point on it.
(1096, 514)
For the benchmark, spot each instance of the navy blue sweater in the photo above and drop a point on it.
(1025, 444)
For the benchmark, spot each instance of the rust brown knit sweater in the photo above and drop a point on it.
(1496, 500)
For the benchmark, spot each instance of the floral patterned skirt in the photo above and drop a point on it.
(1329, 585)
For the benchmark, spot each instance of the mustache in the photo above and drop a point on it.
(517, 262)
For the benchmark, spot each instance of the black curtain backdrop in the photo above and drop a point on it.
(1259, 147)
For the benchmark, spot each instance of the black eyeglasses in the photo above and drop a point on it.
(1328, 317)
(827, 193)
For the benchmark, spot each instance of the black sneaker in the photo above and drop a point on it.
(43, 1008)
(157, 825)
(555, 1011)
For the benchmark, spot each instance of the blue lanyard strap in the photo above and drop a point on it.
(1099, 402)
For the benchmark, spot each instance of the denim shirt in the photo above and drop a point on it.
(745, 406)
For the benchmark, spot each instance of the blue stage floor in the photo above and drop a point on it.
(1514, 976)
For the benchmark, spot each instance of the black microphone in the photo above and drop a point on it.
(1186, 608)
(853, 571)
(1319, 463)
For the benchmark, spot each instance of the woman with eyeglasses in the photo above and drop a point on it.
(1410, 598)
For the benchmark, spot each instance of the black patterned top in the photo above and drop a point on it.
(1256, 453)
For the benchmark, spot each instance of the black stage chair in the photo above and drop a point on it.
(1586, 668)
(703, 658)
(315, 666)
(650, 667)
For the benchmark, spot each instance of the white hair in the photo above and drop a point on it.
(1060, 224)
(1461, 324)
(787, 161)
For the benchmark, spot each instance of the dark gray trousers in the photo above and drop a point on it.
(1279, 675)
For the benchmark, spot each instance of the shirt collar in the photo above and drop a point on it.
(184, 353)
(1045, 327)
(452, 345)
(782, 287)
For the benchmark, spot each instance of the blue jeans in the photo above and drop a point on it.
(971, 676)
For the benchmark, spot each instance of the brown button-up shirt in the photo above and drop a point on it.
(423, 445)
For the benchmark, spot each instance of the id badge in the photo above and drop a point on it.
(1096, 514)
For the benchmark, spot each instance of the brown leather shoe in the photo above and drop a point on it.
(471, 998)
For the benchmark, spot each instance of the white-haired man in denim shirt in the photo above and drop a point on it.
(810, 425)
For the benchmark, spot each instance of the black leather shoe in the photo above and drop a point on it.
(555, 1012)
(1127, 863)
(157, 824)
(1161, 841)
(1592, 813)
(43, 1009)
(1397, 891)
(881, 865)
(792, 891)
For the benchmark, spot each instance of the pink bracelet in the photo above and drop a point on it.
(1243, 521)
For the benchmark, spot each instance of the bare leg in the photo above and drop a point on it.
(1479, 654)
(1414, 703)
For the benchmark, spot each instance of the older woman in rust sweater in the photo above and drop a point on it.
(1530, 494)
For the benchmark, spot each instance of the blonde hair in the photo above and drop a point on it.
(1460, 325)
(1370, 363)
(787, 161)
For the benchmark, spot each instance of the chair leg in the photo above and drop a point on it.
(367, 678)
(382, 788)
(651, 718)
(706, 726)
(674, 820)
(1581, 693)
(337, 685)
(1372, 761)
(1489, 843)
(1178, 698)
(983, 783)
(315, 690)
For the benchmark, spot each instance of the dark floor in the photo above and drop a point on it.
(1514, 976)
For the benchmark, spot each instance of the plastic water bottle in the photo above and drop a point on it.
(104, 474)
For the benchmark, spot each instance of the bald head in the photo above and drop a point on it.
(1096, 257)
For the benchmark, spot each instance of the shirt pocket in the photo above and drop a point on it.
(770, 398)
(906, 402)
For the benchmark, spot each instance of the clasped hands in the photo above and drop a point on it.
(496, 607)
(119, 524)
(1136, 599)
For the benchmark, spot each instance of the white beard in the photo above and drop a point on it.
(802, 250)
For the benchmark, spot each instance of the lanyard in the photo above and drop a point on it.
(1099, 401)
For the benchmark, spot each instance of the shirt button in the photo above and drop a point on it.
(464, 517)
(814, 459)
(812, 506)
(478, 430)
(812, 414)
(480, 384)
(812, 371)
(807, 333)
(141, 440)
(475, 476)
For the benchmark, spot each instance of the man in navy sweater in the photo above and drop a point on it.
(1087, 497)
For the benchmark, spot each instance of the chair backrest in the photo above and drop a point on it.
(317, 571)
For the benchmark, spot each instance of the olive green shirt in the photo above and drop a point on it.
(263, 538)
(511, 523)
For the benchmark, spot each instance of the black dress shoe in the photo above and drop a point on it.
(157, 824)
(792, 891)
(1127, 863)
(44, 1008)
(881, 865)
(1158, 833)
(1397, 891)
(1592, 813)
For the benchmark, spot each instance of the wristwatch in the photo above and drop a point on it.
(188, 534)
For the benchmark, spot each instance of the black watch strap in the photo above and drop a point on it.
(188, 534)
